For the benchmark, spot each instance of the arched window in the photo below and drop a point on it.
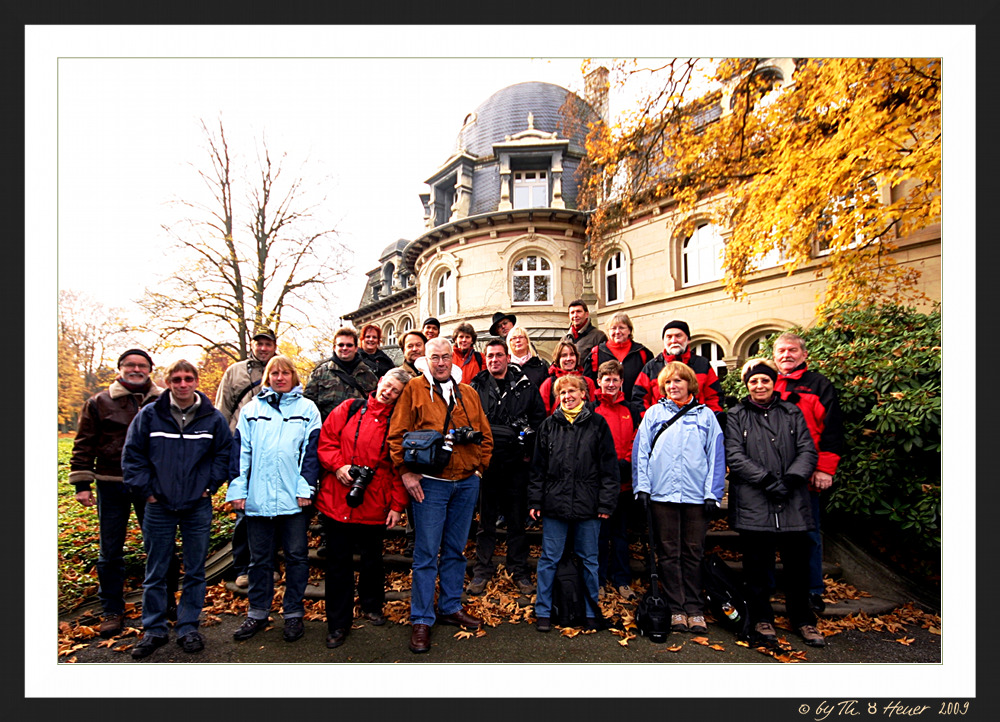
(444, 294)
(714, 353)
(702, 255)
(532, 279)
(390, 334)
(407, 325)
(614, 278)
(753, 350)
(387, 271)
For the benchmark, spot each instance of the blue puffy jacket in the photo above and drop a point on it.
(688, 463)
(176, 467)
(276, 435)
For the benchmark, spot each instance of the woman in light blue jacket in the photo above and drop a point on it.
(277, 435)
(679, 473)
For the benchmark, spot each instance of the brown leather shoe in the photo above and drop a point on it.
(420, 639)
(461, 618)
(111, 625)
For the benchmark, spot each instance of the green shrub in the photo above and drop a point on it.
(885, 362)
(78, 543)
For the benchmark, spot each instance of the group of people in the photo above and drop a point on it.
(452, 429)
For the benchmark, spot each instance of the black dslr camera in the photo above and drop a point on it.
(362, 476)
(466, 435)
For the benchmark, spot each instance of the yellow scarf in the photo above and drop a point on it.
(571, 414)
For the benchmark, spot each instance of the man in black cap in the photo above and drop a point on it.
(431, 329)
(97, 452)
(676, 336)
(502, 324)
(238, 385)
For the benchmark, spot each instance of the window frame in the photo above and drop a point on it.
(532, 275)
(687, 253)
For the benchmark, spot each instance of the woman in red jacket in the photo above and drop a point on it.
(360, 496)
(565, 362)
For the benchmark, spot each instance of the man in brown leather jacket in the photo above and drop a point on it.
(97, 458)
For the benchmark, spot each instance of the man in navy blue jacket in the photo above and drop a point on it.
(176, 455)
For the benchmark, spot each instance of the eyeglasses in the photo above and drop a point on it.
(142, 366)
(182, 379)
(439, 359)
(345, 345)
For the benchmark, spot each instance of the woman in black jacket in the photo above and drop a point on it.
(573, 485)
(771, 457)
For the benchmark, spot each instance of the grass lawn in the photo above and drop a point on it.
(78, 540)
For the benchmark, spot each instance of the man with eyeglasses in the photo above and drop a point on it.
(176, 455)
(443, 502)
(97, 458)
(341, 377)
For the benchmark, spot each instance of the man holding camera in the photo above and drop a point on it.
(444, 491)
(515, 410)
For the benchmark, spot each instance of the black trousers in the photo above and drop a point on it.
(758, 569)
(679, 530)
(504, 490)
(341, 539)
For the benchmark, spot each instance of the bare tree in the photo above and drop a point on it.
(254, 261)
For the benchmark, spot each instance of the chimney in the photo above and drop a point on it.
(596, 91)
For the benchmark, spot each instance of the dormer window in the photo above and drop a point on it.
(531, 189)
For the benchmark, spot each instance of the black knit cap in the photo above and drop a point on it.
(760, 368)
(135, 352)
(431, 322)
(682, 325)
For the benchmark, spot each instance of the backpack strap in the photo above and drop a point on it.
(355, 406)
(684, 409)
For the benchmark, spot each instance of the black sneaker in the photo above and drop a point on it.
(191, 642)
(249, 628)
(543, 624)
(147, 645)
(294, 629)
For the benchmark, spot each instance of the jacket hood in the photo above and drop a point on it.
(267, 393)
(117, 390)
(422, 365)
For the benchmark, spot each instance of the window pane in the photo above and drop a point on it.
(540, 196)
(521, 288)
(544, 264)
(541, 288)
(521, 196)
(612, 288)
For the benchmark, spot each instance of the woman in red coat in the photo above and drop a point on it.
(360, 496)
(565, 362)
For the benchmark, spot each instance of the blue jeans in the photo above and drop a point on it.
(292, 531)
(159, 531)
(554, 533)
(114, 505)
(241, 547)
(443, 520)
(815, 548)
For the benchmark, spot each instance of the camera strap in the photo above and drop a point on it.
(357, 432)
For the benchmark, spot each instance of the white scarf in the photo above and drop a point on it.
(423, 366)
(521, 360)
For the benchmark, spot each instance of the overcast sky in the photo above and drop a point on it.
(122, 105)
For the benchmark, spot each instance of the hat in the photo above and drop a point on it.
(497, 318)
(432, 322)
(682, 325)
(264, 333)
(761, 368)
(134, 352)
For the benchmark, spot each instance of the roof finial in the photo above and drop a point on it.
(531, 121)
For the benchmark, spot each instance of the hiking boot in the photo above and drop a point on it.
(679, 622)
(376, 618)
(525, 586)
(242, 581)
(543, 624)
(191, 642)
(816, 603)
(147, 645)
(249, 628)
(764, 635)
(111, 624)
(294, 629)
(477, 586)
(336, 638)
(626, 593)
(812, 636)
(696, 624)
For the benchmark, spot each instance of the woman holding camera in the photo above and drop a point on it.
(276, 436)
(360, 496)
